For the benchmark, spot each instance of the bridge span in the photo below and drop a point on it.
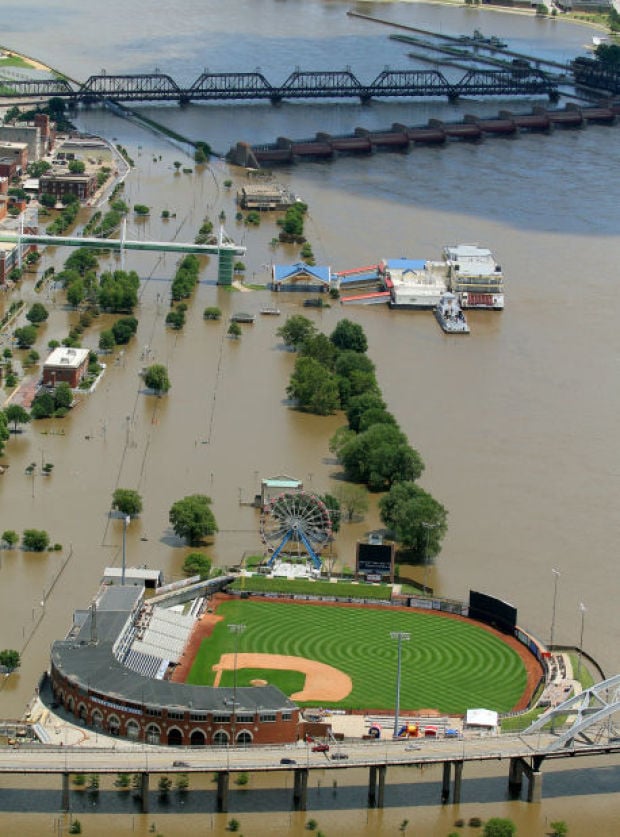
(300, 84)
(225, 250)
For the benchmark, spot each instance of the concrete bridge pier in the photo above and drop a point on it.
(515, 777)
(144, 793)
(458, 777)
(223, 778)
(381, 794)
(372, 787)
(65, 792)
(300, 789)
(445, 783)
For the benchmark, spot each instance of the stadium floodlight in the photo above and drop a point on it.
(400, 637)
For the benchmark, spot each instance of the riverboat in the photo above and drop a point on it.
(477, 38)
(270, 312)
(450, 316)
(474, 276)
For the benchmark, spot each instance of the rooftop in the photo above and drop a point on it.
(67, 357)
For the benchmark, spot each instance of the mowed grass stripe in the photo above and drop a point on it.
(448, 664)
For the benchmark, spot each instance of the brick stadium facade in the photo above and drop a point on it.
(90, 680)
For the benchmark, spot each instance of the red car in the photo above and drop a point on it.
(320, 748)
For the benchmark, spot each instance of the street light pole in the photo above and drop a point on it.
(583, 609)
(556, 576)
(235, 629)
(400, 637)
(126, 520)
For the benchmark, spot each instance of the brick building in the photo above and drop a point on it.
(83, 186)
(91, 678)
(65, 364)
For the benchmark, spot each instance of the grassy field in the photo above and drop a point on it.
(342, 589)
(448, 664)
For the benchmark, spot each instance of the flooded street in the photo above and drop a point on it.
(516, 423)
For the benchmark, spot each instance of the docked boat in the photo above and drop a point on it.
(474, 276)
(450, 316)
(270, 312)
(477, 38)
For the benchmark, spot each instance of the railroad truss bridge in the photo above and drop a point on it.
(219, 87)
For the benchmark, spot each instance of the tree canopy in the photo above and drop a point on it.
(380, 456)
(26, 336)
(16, 414)
(10, 659)
(296, 330)
(197, 563)
(313, 387)
(499, 827)
(35, 540)
(192, 518)
(127, 501)
(37, 313)
(349, 336)
(4, 431)
(118, 291)
(156, 378)
(419, 522)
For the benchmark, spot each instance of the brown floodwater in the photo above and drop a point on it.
(516, 423)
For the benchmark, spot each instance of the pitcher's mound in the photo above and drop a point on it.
(258, 682)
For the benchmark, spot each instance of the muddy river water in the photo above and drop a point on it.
(517, 424)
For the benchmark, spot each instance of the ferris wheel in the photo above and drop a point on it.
(298, 524)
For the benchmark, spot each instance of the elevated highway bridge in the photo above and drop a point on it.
(585, 727)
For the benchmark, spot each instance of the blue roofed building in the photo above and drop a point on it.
(301, 277)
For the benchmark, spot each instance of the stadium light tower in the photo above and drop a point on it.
(236, 630)
(400, 637)
(556, 577)
(582, 609)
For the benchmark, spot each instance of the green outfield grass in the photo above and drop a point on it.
(449, 664)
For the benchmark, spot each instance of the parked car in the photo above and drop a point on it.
(339, 756)
(320, 748)
(180, 764)
(288, 761)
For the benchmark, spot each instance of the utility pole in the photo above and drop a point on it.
(400, 637)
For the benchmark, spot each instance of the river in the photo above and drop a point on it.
(516, 423)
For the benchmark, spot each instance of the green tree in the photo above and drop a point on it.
(43, 406)
(156, 378)
(10, 538)
(313, 387)
(419, 522)
(197, 563)
(124, 329)
(319, 347)
(558, 828)
(10, 659)
(234, 330)
(127, 501)
(349, 336)
(106, 341)
(380, 456)
(353, 500)
(4, 429)
(63, 396)
(296, 330)
(118, 291)
(76, 167)
(499, 827)
(37, 313)
(16, 414)
(82, 260)
(141, 209)
(212, 313)
(26, 336)
(35, 540)
(192, 518)
(76, 292)
(359, 404)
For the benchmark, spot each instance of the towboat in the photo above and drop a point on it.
(449, 315)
